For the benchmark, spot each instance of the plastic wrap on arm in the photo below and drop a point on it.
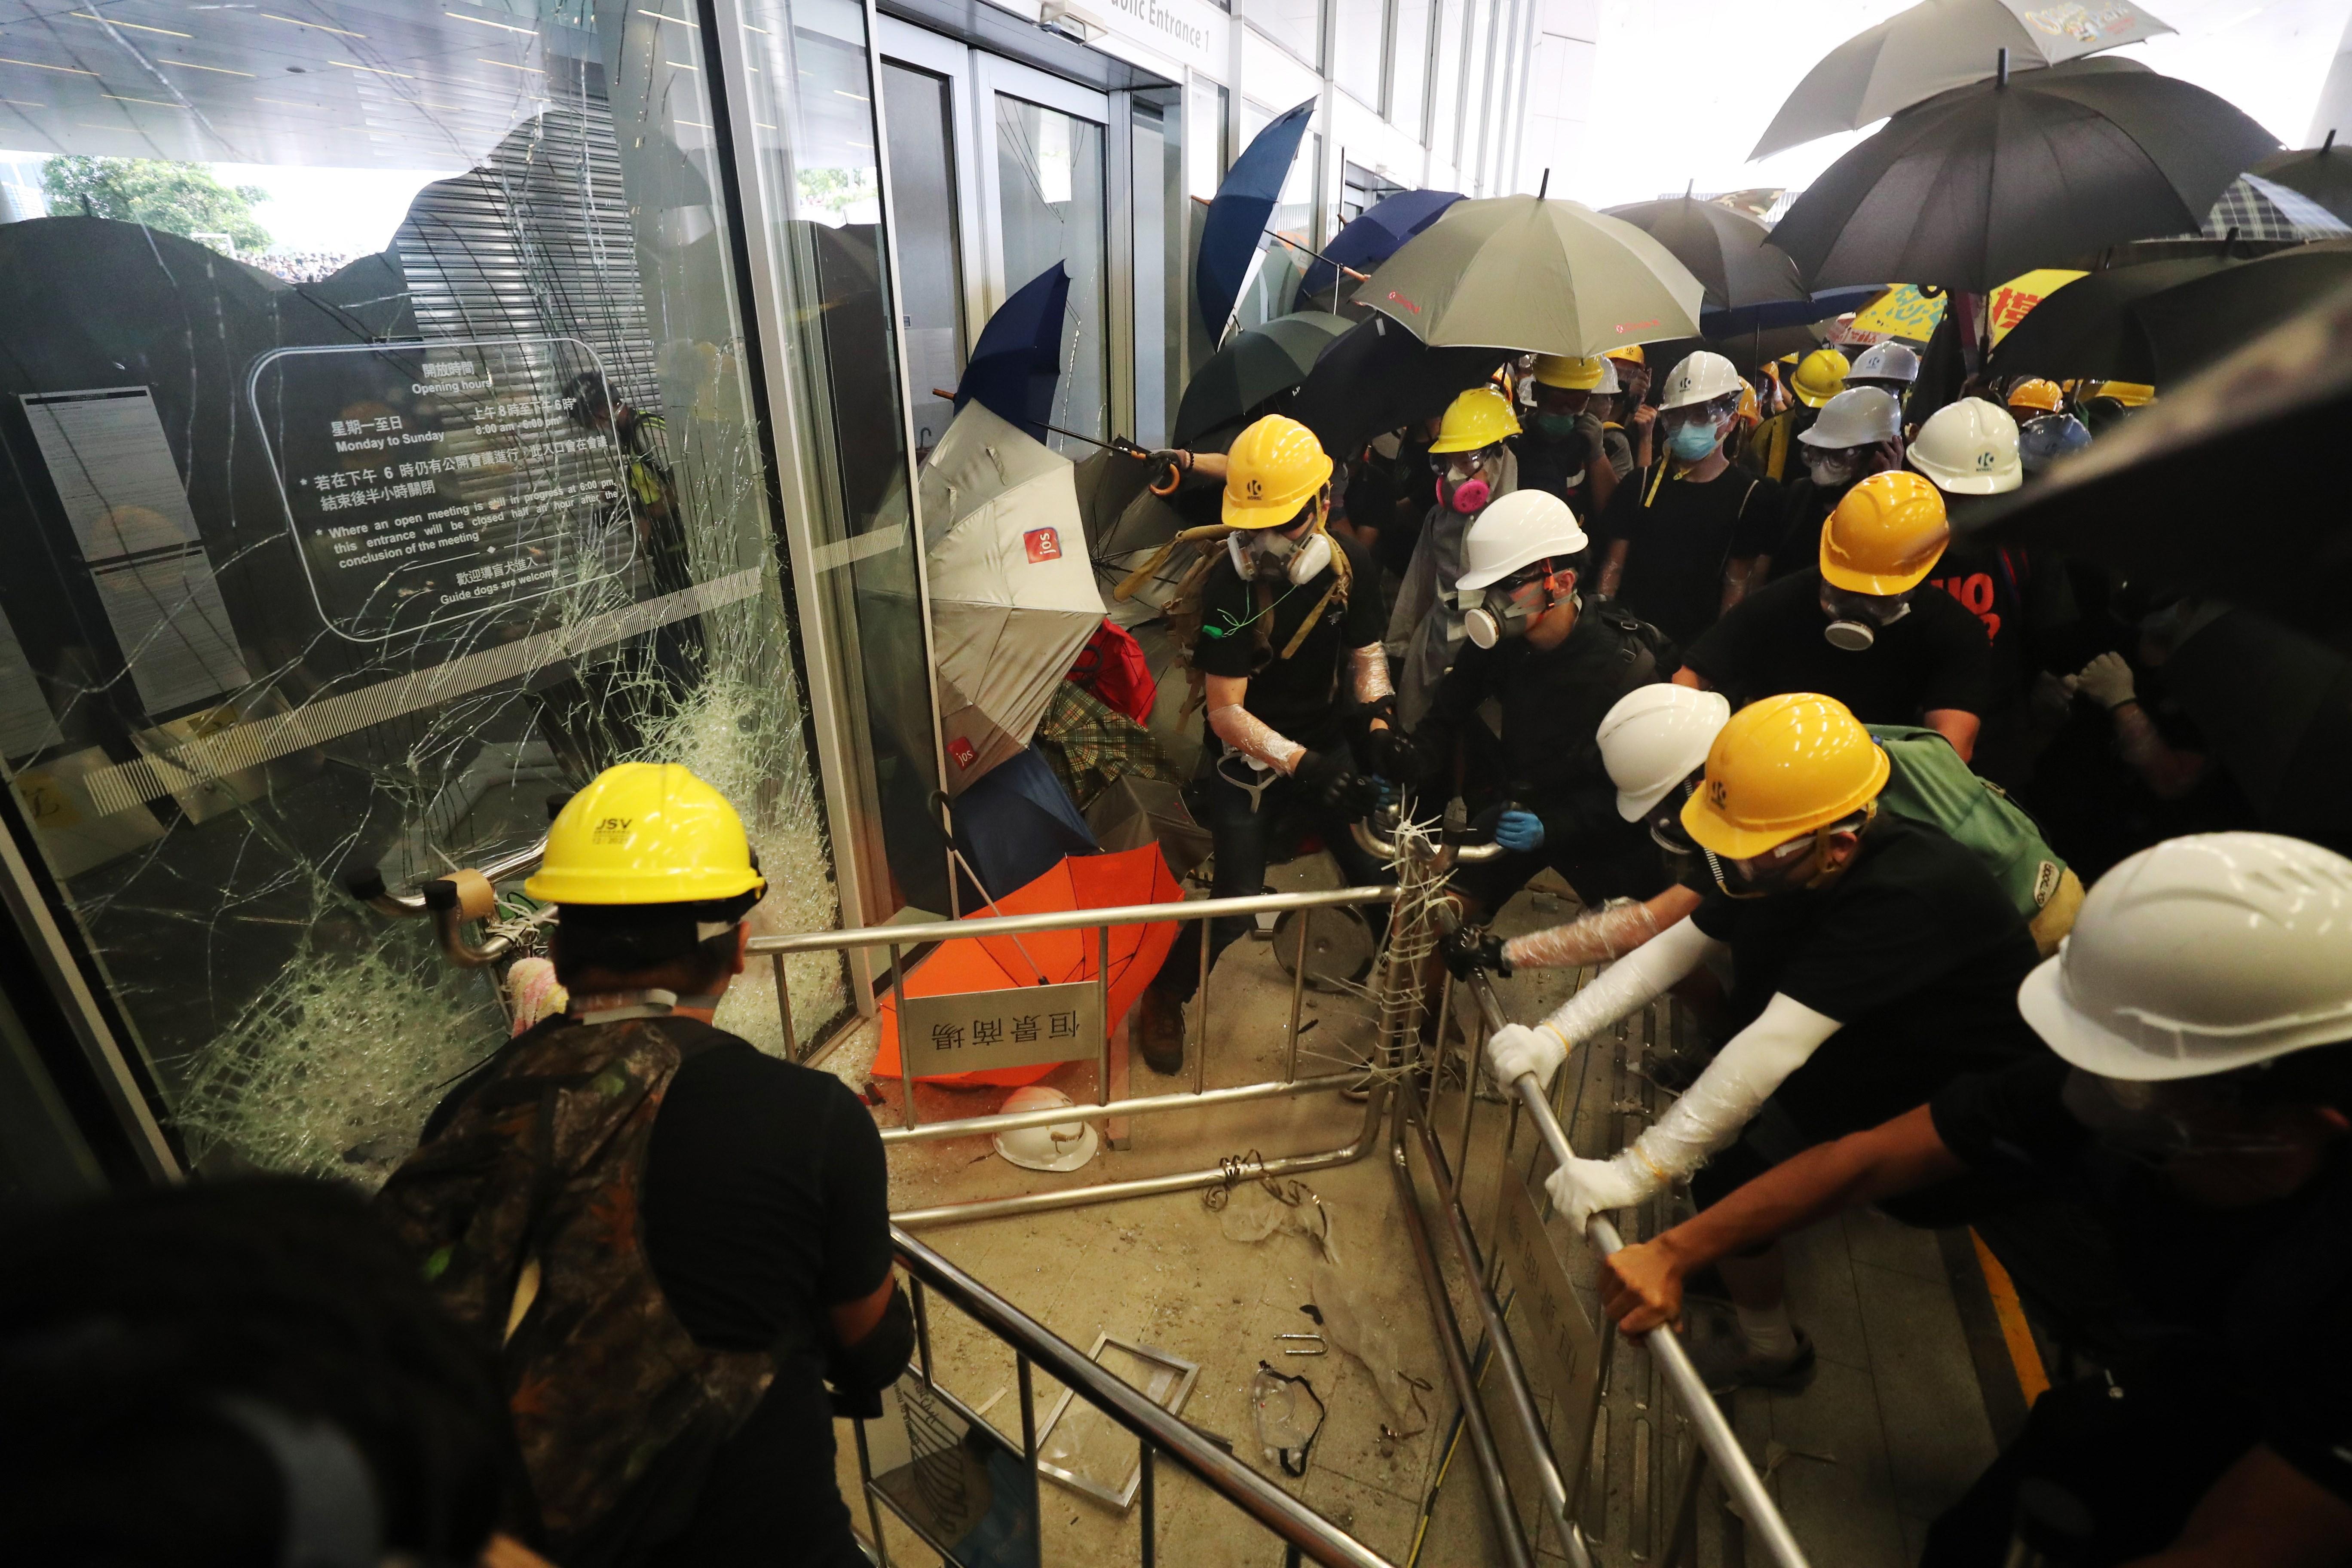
(1247, 733)
(1727, 1095)
(1596, 936)
(1368, 671)
(1633, 981)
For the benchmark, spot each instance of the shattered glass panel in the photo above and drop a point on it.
(331, 554)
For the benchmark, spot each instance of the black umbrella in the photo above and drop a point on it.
(1252, 366)
(1380, 378)
(2320, 173)
(2228, 485)
(1730, 254)
(1985, 182)
(2160, 320)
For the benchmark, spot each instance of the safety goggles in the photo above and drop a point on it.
(1881, 609)
(1712, 413)
(1463, 462)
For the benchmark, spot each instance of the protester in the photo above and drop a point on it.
(1819, 377)
(2033, 396)
(1891, 367)
(1857, 627)
(1874, 960)
(1684, 529)
(1552, 664)
(2045, 439)
(666, 1369)
(242, 1372)
(2198, 1102)
(1858, 434)
(1289, 646)
(1568, 449)
(1474, 465)
(1632, 363)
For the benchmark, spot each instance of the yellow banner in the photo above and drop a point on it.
(1906, 313)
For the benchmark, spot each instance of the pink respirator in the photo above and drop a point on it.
(1471, 495)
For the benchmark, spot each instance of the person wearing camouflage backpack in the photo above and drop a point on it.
(671, 1241)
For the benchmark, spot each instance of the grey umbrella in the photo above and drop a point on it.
(1986, 181)
(1729, 253)
(1939, 45)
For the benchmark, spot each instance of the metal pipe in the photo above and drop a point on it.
(504, 868)
(1054, 1116)
(1666, 1352)
(1298, 997)
(915, 935)
(448, 929)
(1366, 1139)
(1268, 1504)
(906, 1052)
(784, 1007)
(1102, 1005)
(1505, 1517)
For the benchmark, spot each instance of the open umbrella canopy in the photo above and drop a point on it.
(1014, 365)
(1013, 596)
(2254, 208)
(1730, 254)
(1373, 235)
(1936, 46)
(1234, 229)
(1535, 276)
(1380, 378)
(1783, 313)
(1252, 366)
(2320, 173)
(1985, 181)
(1108, 480)
(2160, 320)
(1138, 875)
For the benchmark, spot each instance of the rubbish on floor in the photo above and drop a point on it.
(1287, 1424)
(1088, 1452)
(1064, 1146)
(1314, 1344)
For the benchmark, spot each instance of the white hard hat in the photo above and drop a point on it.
(1886, 362)
(1968, 448)
(1701, 377)
(1064, 1146)
(1858, 416)
(1655, 737)
(1524, 526)
(2198, 955)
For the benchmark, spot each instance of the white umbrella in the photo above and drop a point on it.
(1012, 593)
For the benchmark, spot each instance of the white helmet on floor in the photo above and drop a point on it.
(1522, 528)
(1858, 416)
(1886, 362)
(2201, 955)
(1655, 737)
(1968, 448)
(1064, 1146)
(1701, 377)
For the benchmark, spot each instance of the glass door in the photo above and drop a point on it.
(920, 108)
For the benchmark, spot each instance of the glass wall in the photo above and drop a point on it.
(1051, 204)
(1359, 37)
(1295, 25)
(1409, 66)
(380, 461)
(1445, 85)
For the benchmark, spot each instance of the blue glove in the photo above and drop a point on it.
(1519, 830)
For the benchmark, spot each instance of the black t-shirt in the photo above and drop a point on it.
(1917, 952)
(2249, 1303)
(1807, 507)
(1681, 536)
(1553, 700)
(1300, 697)
(1773, 642)
(2021, 598)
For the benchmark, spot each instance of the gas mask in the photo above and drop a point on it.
(1830, 473)
(1505, 610)
(1269, 553)
(1856, 619)
(1468, 495)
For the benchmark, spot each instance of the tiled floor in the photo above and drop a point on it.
(1891, 1430)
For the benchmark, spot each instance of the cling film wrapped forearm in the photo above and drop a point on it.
(1368, 670)
(1251, 736)
(1596, 936)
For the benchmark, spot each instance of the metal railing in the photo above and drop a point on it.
(1307, 1536)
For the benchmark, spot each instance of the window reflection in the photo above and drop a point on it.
(1049, 173)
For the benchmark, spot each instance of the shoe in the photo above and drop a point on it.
(1162, 1034)
(1725, 1360)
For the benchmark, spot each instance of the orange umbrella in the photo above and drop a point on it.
(1138, 875)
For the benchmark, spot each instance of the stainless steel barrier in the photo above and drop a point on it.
(1306, 1534)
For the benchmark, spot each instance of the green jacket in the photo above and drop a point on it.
(1928, 783)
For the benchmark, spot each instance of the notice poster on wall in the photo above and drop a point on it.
(426, 483)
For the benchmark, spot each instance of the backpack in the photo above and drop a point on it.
(523, 1210)
(1184, 612)
(1928, 783)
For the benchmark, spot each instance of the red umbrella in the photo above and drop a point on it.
(1138, 875)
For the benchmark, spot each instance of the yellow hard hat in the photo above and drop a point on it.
(1783, 767)
(2037, 394)
(646, 833)
(1886, 535)
(1630, 353)
(1821, 375)
(2130, 393)
(1570, 373)
(1479, 418)
(1274, 469)
(1749, 409)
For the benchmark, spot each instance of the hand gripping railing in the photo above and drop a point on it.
(1306, 1533)
(1713, 1428)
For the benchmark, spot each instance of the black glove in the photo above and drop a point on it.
(1469, 948)
(1332, 782)
(1396, 756)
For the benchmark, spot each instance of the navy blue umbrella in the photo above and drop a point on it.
(1019, 355)
(1376, 234)
(1819, 307)
(1236, 226)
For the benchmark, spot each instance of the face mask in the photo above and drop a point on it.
(1830, 473)
(1469, 496)
(1692, 443)
(1855, 618)
(1506, 615)
(1268, 553)
(1556, 427)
